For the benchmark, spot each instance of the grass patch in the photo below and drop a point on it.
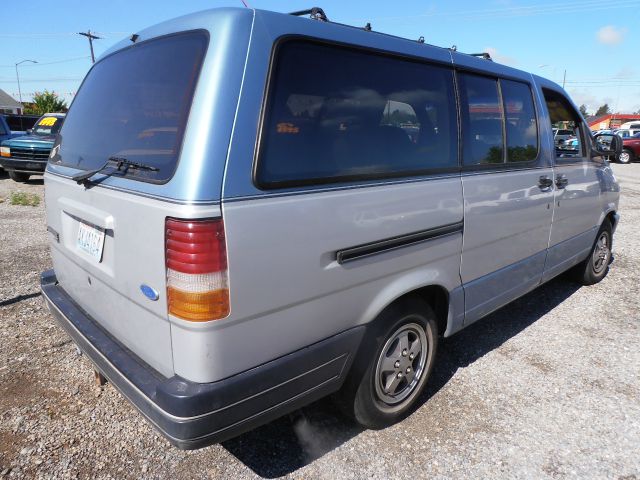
(24, 198)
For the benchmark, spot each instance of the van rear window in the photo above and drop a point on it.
(337, 114)
(134, 104)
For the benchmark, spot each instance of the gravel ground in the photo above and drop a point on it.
(547, 387)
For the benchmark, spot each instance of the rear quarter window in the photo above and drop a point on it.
(134, 104)
(336, 114)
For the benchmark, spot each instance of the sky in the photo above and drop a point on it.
(595, 42)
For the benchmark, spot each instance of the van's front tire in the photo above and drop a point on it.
(393, 366)
(596, 266)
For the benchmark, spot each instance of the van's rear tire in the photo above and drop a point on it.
(392, 366)
(596, 266)
(19, 176)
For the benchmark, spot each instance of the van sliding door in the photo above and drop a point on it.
(508, 193)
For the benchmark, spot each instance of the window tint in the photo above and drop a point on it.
(335, 114)
(47, 126)
(482, 120)
(521, 126)
(564, 117)
(134, 104)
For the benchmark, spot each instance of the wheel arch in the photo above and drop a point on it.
(434, 294)
(613, 218)
(612, 215)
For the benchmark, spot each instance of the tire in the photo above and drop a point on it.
(19, 176)
(596, 266)
(392, 366)
(626, 156)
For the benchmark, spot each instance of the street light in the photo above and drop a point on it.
(564, 77)
(18, 77)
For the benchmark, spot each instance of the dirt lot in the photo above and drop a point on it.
(547, 387)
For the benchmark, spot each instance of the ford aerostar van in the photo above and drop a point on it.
(249, 211)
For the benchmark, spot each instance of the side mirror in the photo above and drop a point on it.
(608, 145)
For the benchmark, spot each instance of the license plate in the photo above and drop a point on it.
(90, 240)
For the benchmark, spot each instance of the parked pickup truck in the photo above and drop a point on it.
(5, 130)
(26, 155)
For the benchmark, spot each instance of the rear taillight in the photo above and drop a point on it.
(197, 281)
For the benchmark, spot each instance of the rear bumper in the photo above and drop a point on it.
(23, 165)
(192, 415)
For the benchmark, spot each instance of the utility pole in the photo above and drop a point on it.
(91, 38)
(19, 89)
(564, 78)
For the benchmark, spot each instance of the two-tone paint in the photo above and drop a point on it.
(504, 233)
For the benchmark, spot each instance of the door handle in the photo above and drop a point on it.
(562, 181)
(545, 182)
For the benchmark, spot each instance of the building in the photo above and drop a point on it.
(8, 104)
(611, 120)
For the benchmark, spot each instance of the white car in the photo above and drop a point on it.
(626, 132)
(561, 135)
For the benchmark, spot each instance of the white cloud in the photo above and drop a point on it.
(498, 57)
(611, 35)
(626, 100)
(625, 73)
(585, 97)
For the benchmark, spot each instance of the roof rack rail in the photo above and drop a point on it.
(484, 55)
(316, 13)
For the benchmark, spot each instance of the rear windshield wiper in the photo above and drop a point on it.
(121, 165)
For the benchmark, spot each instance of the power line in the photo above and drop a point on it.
(57, 34)
(603, 86)
(608, 82)
(42, 80)
(522, 11)
(63, 60)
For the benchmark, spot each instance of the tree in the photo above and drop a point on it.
(603, 110)
(44, 102)
(583, 110)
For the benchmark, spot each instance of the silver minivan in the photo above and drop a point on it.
(249, 211)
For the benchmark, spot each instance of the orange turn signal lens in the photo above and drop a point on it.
(198, 306)
(5, 152)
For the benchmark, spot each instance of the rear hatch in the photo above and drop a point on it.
(108, 242)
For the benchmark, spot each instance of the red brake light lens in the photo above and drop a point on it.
(197, 280)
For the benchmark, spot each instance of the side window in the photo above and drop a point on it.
(569, 138)
(482, 120)
(521, 125)
(401, 115)
(2, 129)
(335, 114)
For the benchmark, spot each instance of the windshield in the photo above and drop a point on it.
(47, 126)
(134, 104)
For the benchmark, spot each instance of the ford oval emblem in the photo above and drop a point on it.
(149, 292)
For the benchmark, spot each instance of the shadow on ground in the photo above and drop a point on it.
(18, 298)
(34, 180)
(289, 443)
